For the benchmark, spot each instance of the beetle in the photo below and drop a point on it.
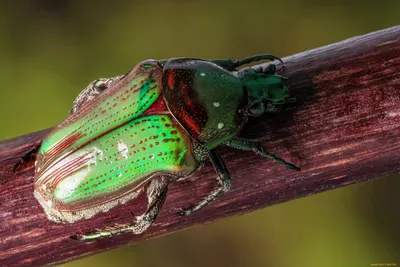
(144, 130)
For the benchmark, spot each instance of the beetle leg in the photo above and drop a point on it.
(156, 194)
(224, 183)
(249, 60)
(27, 157)
(94, 89)
(245, 144)
(231, 65)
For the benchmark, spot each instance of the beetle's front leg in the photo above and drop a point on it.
(156, 194)
(249, 60)
(231, 65)
(245, 144)
(224, 183)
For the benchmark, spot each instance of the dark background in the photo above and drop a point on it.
(50, 50)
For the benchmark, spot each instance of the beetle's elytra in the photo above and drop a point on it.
(146, 129)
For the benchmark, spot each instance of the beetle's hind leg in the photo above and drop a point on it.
(245, 144)
(30, 155)
(224, 183)
(156, 194)
(94, 89)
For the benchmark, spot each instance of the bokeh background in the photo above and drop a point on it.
(50, 50)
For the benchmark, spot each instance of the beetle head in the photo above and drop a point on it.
(264, 89)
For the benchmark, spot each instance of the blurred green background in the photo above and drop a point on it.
(50, 50)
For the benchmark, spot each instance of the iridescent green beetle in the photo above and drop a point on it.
(147, 129)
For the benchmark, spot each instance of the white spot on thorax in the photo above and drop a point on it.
(217, 104)
(220, 125)
(203, 74)
(49, 203)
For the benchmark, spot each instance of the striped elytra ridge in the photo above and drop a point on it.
(117, 163)
(127, 100)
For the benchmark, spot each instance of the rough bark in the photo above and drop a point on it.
(343, 129)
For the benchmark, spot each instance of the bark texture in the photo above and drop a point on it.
(343, 129)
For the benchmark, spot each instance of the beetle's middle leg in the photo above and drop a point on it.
(224, 183)
(156, 193)
(245, 144)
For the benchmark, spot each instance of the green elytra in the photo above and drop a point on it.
(143, 131)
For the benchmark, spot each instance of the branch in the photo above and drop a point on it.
(343, 129)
